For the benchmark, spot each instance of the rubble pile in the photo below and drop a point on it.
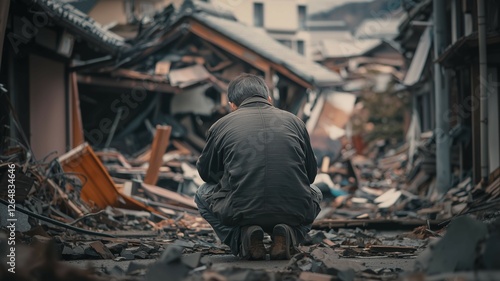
(73, 202)
(384, 189)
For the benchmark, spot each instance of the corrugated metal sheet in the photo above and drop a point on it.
(419, 58)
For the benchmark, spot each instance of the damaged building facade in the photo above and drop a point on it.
(462, 95)
(177, 66)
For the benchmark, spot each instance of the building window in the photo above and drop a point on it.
(258, 14)
(302, 16)
(300, 47)
(287, 43)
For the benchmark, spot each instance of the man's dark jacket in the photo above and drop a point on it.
(261, 159)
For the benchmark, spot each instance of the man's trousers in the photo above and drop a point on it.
(231, 235)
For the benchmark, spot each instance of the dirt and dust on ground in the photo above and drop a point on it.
(90, 215)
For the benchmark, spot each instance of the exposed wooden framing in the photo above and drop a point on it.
(77, 137)
(128, 83)
(226, 62)
(220, 85)
(220, 66)
(121, 72)
(215, 50)
(232, 47)
(158, 148)
(242, 52)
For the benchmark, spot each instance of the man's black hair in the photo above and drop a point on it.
(245, 86)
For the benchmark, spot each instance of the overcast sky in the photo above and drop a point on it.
(325, 5)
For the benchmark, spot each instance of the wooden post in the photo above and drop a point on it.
(77, 136)
(325, 165)
(160, 143)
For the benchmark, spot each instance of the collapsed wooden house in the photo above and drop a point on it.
(174, 72)
(190, 55)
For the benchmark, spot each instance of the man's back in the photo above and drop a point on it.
(263, 163)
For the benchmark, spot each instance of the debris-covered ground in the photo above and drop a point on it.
(74, 219)
(119, 205)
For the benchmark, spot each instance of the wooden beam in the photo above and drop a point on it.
(128, 83)
(77, 137)
(232, 47)
(158, 148)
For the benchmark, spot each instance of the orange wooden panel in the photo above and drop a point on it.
(99, 189)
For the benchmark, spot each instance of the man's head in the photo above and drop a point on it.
(245, 86)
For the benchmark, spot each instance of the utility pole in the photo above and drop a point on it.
(441, 96)
(483, 87)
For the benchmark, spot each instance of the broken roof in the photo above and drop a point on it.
(79, 23)
(379, 28)
(333, 48)
(259, 41)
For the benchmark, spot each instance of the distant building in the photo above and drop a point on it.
(283, 20)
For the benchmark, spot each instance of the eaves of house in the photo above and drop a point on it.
(80, 24)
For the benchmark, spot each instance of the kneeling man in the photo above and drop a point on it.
(259, 167)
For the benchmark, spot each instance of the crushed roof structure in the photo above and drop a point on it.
(257, 40)
(334, 48)
(248, 43)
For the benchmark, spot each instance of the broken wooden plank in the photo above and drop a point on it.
(158, 148)
(99, 189)
(164, 195)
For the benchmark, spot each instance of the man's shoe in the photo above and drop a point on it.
(252, 245)
(283, 245)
